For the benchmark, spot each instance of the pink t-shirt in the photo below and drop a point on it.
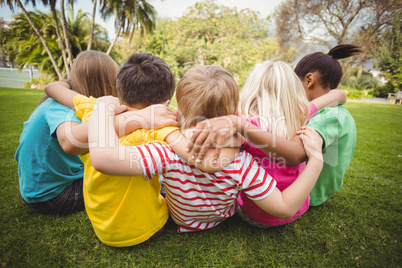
(283, 174)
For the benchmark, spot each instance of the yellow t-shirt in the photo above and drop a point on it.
(124, 211)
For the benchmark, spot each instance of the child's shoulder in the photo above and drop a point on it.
(235, 158)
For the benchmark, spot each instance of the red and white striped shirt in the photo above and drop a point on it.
(199, 200)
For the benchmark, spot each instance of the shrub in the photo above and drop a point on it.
(355, 94)
(34, 82)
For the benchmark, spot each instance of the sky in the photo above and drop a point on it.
(165, 8)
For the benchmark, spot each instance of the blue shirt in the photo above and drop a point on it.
(44, 169)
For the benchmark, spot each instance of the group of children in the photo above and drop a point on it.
(257, 169)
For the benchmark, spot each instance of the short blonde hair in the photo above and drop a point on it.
(206, 91)
(94, 74)
(274, 94)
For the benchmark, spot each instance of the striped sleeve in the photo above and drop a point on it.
(256, 183)
(155, 158)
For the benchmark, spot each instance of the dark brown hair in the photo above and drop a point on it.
(145, 79)
(326, 65)
(94, 74)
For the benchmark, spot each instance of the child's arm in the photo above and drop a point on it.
(286, 203)
(178, 142)
(61, 92)
(110, 157)
(73, 137)
(105, 151)
(221, 129)
(333, 98)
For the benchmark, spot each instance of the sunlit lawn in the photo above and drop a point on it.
(359, 226)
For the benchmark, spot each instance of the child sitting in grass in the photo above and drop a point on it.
(274, 102)
(50, 175)
(126, 210)
(198, 200)
(320, 73)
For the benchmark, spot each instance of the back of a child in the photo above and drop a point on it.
(274, 99)
(199, 200)
(128, 210)
(321, 73)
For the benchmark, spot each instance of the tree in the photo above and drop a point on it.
(209, 33)
(389, 55)
(23, 45)
(130, 15)
(66, 32)
(330, 23)
(92, 25)
(59, 38)
(37, 30)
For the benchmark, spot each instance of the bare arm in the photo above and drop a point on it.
(61, 92)
(106, 153)
(178, 142)
(286, 203)
(214, 132)
(110, 157)
(333, 98)
(73, 137)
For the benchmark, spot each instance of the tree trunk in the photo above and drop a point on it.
(92, 27)
(59, 39)
(346, 67)
(66, 34)
(39, 33)
(115, 38)
(361, 64)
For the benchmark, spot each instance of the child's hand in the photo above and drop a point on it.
(312, 142)
(212, 133)
(158, 116)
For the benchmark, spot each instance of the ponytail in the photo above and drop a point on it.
(344, 51)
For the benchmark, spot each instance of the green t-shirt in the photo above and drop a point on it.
(338, 129)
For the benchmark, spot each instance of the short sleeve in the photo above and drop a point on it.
(326, 123)
(83, 106)
(256, 183)
(57, 114)
(313, 111)
(155, 158)
(162, 133)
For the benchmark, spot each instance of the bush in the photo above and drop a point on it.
(34, 82)
(355, 94)
(366, 81)
(382, 92)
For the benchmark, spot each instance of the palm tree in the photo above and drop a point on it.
(59, 39)
(130, 14)
(66, 33)
(36, 28)
(23, 46)
(93, 23)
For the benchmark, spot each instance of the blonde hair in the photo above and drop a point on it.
(275, 95)
(206, 91)
(94, 74)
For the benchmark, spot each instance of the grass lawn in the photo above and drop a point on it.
(359, 226)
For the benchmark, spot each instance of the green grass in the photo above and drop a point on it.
(359, 226)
